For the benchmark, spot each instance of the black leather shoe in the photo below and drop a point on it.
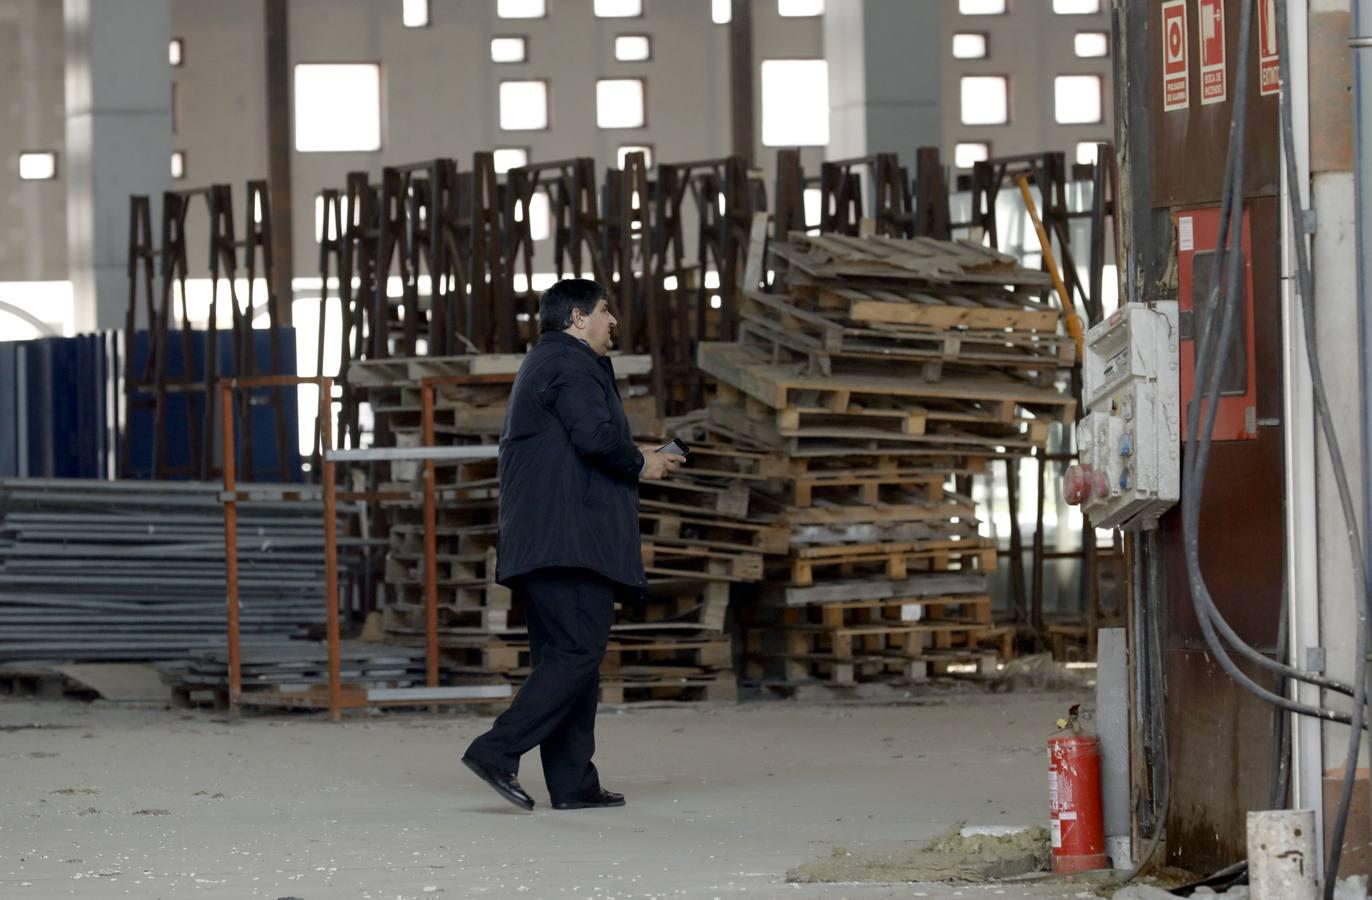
(503, 783)
(597, 800)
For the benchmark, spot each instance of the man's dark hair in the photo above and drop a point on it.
(556, 305)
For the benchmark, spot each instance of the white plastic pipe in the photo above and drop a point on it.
(1298, 433)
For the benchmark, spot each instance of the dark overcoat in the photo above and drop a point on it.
(568, 468)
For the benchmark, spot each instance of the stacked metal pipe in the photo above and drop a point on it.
(134, 570)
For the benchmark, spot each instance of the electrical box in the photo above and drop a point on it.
(1236, 414)
(1129, 440)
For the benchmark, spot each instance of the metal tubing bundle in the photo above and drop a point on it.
(130, 570)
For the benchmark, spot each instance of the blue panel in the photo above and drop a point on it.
(65, 401)
(9, 409)
(182, 408)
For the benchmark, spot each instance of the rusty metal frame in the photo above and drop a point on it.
(426, 399)
(841, 209)
(231, 495)
(170, 260)
(628, 265)
(723, 194)
(338, 696)
(789, 195)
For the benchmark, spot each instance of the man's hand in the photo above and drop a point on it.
(656, 466)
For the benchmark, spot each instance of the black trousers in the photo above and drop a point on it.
(570, 612)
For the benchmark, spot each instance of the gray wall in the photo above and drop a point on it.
(33, 232)
(439, 95)
(440, 90)
(1031, 45)
(885, 76)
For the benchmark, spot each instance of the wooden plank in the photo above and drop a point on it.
(878, 589)
(398, 372)
(772, 384)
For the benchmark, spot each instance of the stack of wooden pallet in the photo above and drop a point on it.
(473, 609)
(702, 538)
(698, 541)
(882, 376)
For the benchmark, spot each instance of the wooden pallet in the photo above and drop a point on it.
(779, 386)
(693, 496)
(854, 653)
(410, 371)
(466, 654)
(939, 514)
(933, 584)
(676, 606)
(971, 664)
(896, 561)
(651, 655)
(951, 428)
(837, 533)
(716, 688)
(714, 459)
(407, 617)
(677, 561)
(731, 535)
(974, 608)
(827, 345)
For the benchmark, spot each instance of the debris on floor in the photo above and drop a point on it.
(960, 854)
(1353, 887)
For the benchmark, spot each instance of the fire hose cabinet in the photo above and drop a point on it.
(1236, 418)
(1128, 442)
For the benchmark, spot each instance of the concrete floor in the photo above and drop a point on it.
(106, 801)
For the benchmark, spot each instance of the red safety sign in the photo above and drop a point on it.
(1269, 65)
(1176, 76)
(1214, 87)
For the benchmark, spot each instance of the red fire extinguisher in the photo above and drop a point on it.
(1077, 825)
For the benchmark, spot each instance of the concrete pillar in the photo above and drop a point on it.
(118, 141)
(885, 85)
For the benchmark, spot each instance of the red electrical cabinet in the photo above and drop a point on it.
(1197, 233)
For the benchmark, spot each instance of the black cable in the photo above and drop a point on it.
(1211, 360)
(1281, 722)
(1198, 450)
(1158, 677)
(1305, 287)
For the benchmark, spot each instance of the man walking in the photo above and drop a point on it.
(568, 543)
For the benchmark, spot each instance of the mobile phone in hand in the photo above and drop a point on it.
(676, 446)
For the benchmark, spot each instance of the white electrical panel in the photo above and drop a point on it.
(1129, 441)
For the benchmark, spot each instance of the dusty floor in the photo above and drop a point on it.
(107, 801)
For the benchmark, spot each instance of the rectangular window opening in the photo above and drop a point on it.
(619, 103)
(625, 149)
(415, 13)
(521, 9)
(37, 165)
(523, 105)
(795, 102)
(337, 107)
(509, 49)
(985, 100)
(1091, 44)
(969, 45)
(982, 7)
(507, 158)
(1078, 99)
(633, 48)
(618, 9)
(968, 154)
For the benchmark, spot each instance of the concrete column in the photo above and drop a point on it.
(885, 84)
(119, 141)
